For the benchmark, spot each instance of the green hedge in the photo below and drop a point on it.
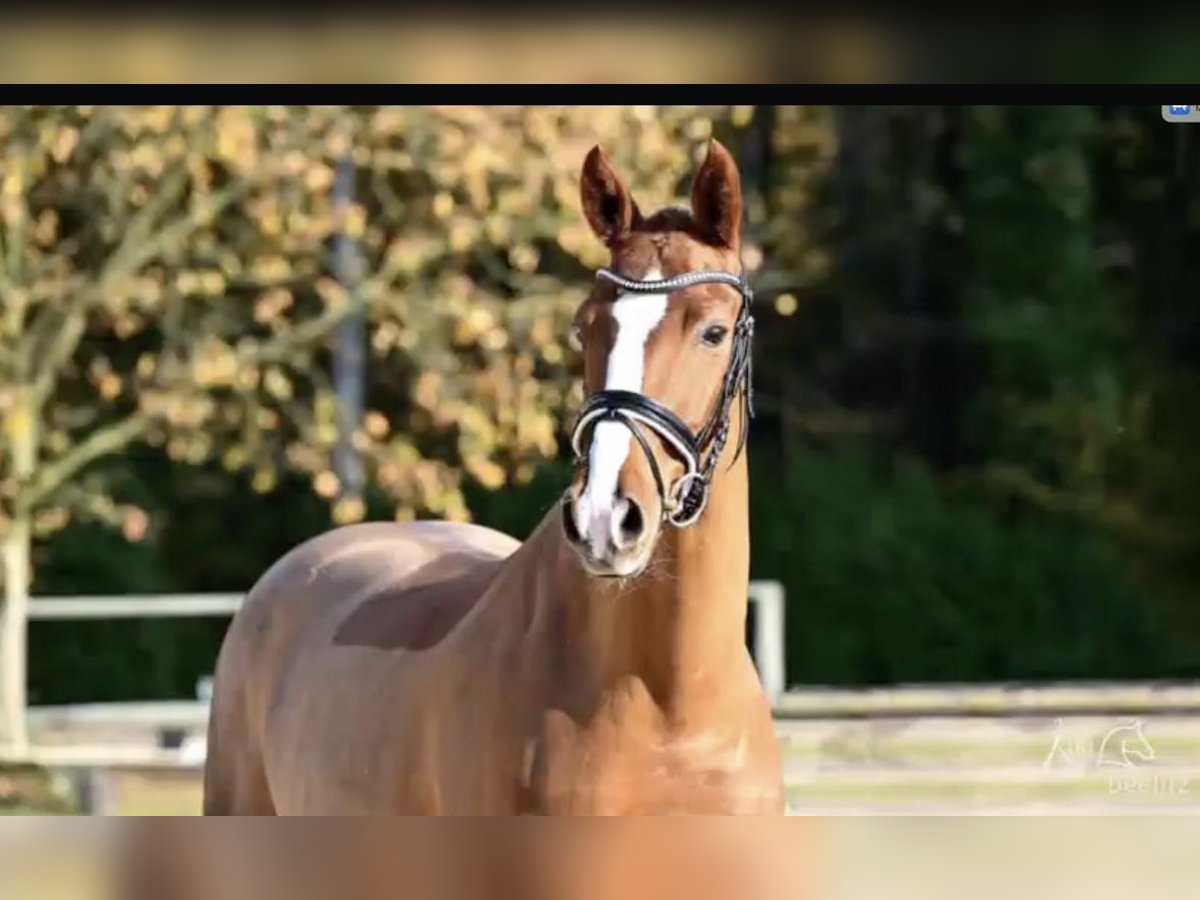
(890, 578)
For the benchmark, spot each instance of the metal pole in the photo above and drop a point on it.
(349, 356)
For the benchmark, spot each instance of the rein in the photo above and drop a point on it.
(684, 500)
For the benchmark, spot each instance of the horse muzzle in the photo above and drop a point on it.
(612, 539)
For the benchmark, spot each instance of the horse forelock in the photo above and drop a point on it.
(670, 242)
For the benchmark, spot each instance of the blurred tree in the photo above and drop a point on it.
(893, 578)
(1076, 292)
(1056, 404)
(787, 220)
(1009, 304)
(149, 297)
(1147, 211)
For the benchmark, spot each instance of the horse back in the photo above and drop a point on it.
(382, 584)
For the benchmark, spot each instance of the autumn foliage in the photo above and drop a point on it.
(167, 279)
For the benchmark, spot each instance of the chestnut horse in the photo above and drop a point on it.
(597, 668)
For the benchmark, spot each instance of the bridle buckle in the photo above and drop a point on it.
(688, 497)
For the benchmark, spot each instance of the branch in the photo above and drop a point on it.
(142, 241)
(73, 318)
(66, 337)
(101, 442)
(277, 347)
(15, 303)
(86, 502)
(141, 244)
(8, 290)
(31, 337)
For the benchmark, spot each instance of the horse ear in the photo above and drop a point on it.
(607, 204)
(717, 197)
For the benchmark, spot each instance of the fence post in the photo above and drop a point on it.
(769, 645)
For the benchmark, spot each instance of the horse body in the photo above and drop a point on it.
(426, 669)
(600, 666)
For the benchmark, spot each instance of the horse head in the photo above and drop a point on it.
(665, 341)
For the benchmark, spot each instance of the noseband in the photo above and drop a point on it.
(684, 500)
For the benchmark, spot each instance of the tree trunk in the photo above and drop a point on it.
(16, 548)
(16, 551)
(349, 353)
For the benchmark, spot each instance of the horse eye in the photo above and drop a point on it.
(714, 334)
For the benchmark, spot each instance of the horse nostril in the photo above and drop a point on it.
(632, 522)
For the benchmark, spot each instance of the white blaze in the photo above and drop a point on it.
(635, 316)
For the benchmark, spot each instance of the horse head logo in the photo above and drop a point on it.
(1125, 746)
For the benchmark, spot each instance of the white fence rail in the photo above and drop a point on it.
(911, 749)
(68, 727)
(134, 606)
(902, 749)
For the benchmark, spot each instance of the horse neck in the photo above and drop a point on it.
(679, 627)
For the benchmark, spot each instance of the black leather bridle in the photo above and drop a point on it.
(684, 500)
